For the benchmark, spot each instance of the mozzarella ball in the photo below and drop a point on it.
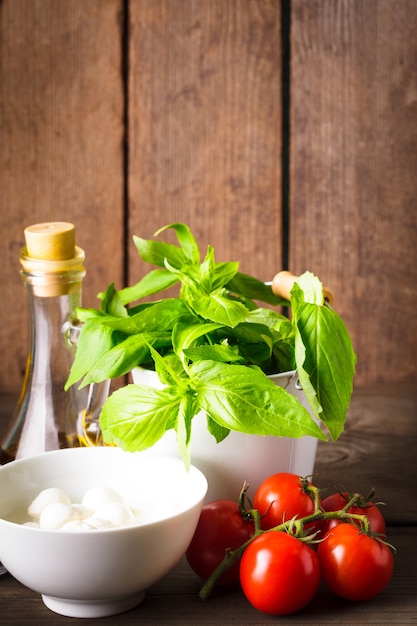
(77, 524)
(47, 496)
(81, 512)
(55, 515)
(98, 495)
(116, 513)
(98, 523)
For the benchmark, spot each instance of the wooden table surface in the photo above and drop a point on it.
(378, 450)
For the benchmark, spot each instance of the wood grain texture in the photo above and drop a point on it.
(204, 140)
(353, 171)
(376, 450)
(175, 602)
(61, 133)
(204, 126)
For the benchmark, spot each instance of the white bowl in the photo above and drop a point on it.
(96, 573)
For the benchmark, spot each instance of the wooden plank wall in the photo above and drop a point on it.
(353, 170)
(274, 129)
(205, 132)
(61, 145)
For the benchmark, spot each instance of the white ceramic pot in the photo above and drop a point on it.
(239, 457)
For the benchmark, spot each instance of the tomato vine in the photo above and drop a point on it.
(301, 528)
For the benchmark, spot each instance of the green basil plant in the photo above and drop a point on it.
(213, 348)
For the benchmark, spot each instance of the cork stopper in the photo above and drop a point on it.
(51, 261)
(51, 241)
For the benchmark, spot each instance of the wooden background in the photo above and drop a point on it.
(284, 133)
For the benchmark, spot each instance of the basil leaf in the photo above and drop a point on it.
(155, 252)
(219, 432)
(112, 304)
(86, 314)
(243, 399)
(186, 239)
(186, 412)
(223, 274)
(283, 358)
(95, 340)
(311, 288)
(186, 335)
(160, 316)
(224, 353)
(123, 357)
(214, 276)
(254, 289)
(217, 308)
(325, 364)
(136, 416)
(167, 373)
(247, 333)
(255, 341)
(270, 318)
(154, 282)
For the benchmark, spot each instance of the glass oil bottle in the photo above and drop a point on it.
(46, 416)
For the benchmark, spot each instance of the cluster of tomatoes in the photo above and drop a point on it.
(289, 540)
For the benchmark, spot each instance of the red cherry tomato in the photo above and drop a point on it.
(354, 565)
(281, 497)
(337, 501)
(279, 574)
(220, 527)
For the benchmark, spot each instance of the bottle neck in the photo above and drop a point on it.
(53, 295)
(50, 279)
(53, 320)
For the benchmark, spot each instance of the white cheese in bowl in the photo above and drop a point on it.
(100, 507)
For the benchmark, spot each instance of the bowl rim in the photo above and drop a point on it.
(196, 501)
